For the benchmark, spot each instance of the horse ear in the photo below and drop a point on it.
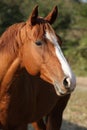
(33, 17)
(51, 17)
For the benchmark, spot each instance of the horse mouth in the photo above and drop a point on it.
(61, 92)
(58, 90)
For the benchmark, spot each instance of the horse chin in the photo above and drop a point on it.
(59, 91)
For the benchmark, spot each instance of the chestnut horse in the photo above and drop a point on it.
(35, 78)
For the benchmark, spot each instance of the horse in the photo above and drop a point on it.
(36, 80)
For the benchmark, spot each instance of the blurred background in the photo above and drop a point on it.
(71, 26)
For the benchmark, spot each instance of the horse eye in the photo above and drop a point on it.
(38, 43)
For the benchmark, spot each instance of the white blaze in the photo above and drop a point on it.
(65, 66)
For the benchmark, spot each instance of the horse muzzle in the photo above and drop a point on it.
(66, 87)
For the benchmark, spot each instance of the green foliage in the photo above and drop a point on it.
(71, 25)
(9, 14)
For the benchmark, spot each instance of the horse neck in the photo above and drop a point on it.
(8, 52)
(8, 68)
(9, 48)
(6, 61)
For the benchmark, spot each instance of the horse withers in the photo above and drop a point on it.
(35, 78)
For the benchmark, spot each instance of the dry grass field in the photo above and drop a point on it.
(75, 115)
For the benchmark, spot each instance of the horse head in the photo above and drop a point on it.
(41, 52)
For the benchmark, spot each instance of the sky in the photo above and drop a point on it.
(85, 1)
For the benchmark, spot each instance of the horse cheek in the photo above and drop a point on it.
(28, 61)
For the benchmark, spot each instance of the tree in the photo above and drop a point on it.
(9, 14)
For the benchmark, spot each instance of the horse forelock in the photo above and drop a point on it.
(40, 29)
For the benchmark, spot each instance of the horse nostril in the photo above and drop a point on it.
(66, 82)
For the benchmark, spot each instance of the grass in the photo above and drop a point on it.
(75, 115)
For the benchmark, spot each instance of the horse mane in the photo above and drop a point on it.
(8, 41)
